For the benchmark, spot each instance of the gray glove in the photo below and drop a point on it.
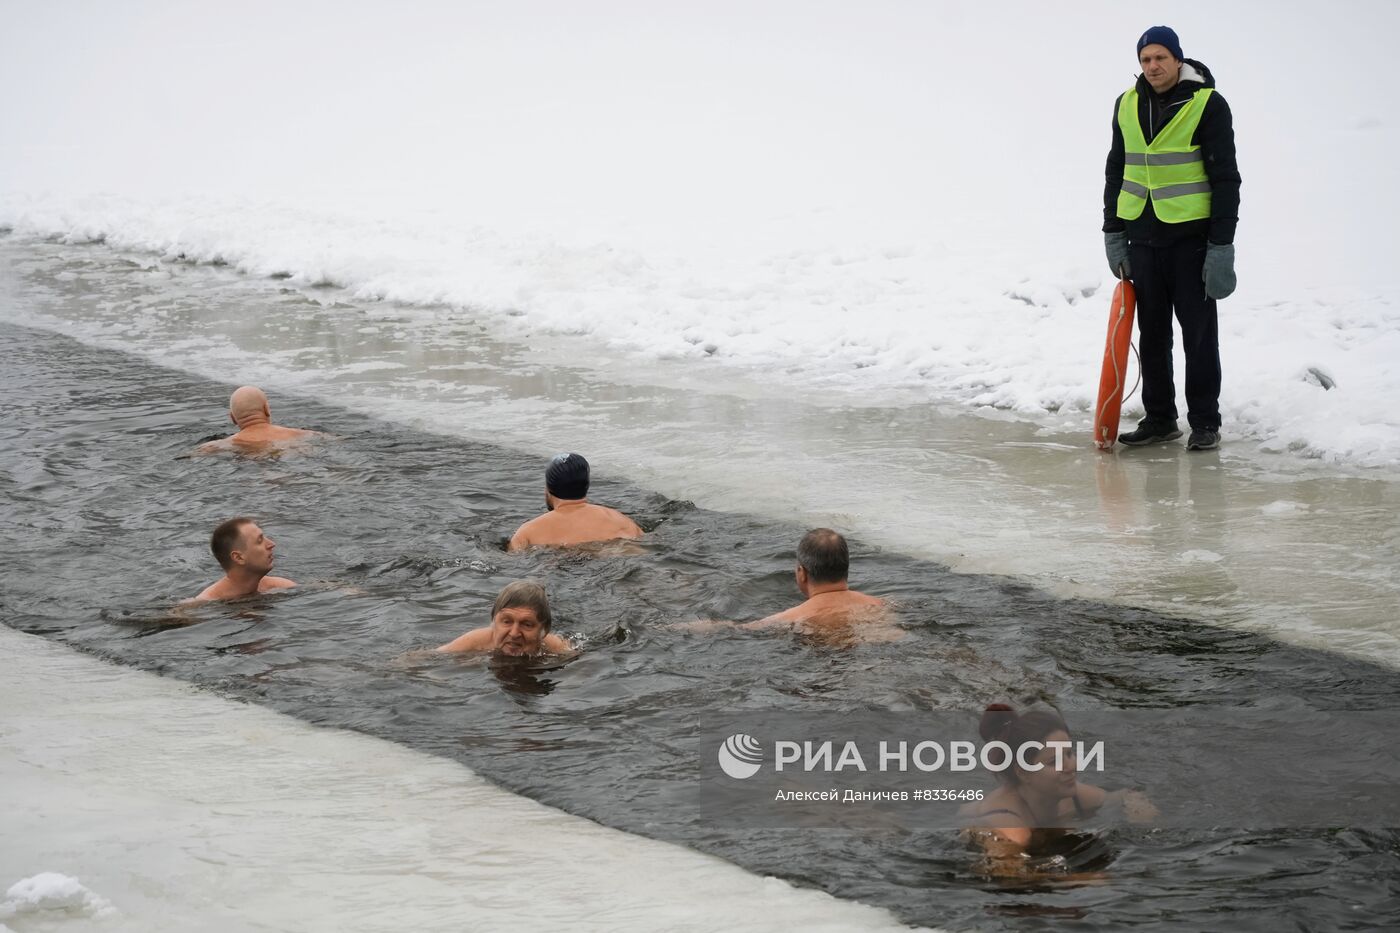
(1219, 273)
(1116, 246)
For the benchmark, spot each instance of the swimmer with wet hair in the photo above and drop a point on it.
(248, 408)
(823, 566)
(571, 519)
(1031, 805)
(245, 553)
(520, 626)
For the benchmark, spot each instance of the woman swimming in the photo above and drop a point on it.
(1039, 795)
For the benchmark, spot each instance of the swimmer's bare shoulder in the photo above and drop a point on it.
(522, 537)
(777, 620)
(219, 589)
(213, 447)
(853, 606)
(476, 640)
(480, 640)
(555, 530)
(626, 528)
(253, 439)
(554, 644)
(998, 821)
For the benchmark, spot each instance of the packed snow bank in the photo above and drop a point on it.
(874, 198)
(51, 891)
(1312, 373)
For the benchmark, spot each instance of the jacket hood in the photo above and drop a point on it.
(1192, 70)
(1194, 76)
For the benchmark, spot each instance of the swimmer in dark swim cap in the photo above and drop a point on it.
(571, 518)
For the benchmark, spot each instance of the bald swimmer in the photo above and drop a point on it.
(823, 565)
(571, 518)
(245, 553)
(520, 626)
(248, 408)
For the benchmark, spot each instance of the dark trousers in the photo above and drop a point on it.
(1169, 278)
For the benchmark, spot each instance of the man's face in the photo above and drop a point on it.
(1051, 781)
(255, 549)
(1159, 67)
(517, 631)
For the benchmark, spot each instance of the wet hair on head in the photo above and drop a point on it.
(225, 538)
(525, 594)
(1001, 723)
(566, 477)
(824, 555)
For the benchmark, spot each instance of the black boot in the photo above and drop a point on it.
(1151, 432)
(1203, 439)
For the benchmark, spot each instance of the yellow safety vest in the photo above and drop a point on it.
(1169, 169)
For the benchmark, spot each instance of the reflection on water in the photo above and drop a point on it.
(397, 538)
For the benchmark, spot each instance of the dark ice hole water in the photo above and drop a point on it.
(397, 539)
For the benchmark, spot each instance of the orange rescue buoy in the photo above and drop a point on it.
(1113, 379)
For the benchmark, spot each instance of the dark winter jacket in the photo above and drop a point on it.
(1216, 137)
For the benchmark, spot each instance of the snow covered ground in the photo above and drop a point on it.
(895, 201)
(150, 805)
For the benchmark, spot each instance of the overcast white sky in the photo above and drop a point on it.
(975, 114)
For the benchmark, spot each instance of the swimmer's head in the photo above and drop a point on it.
(1035, 728)
(520, 619)
(566, 477)
(248, 403)
(239, 542)
(823, 556)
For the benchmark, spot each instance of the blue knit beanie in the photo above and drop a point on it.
(1164, 36)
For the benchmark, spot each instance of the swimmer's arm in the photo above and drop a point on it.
(520, 540)
(702, 625)
(1091, 799)
(1005, 840)
(476, 640)
(777, 620)
(1137, 807)
(275, 583)
(211, 592)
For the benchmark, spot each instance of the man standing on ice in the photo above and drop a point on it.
(1171, 202)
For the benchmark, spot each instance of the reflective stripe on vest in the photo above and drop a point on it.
(1169, 170)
